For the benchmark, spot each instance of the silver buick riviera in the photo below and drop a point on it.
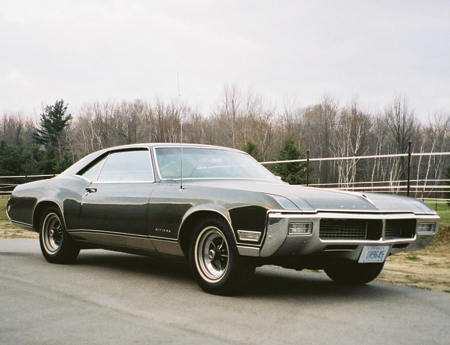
(219, 209)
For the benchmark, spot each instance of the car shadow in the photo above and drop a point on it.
(145, 265)
(268, 281)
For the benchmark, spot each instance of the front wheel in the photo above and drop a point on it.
(215, 261)
(56, 244)
(353, 273)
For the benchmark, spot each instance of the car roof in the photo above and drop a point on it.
(94, 155)
(153, 145)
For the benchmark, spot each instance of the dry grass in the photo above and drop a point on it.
(7, 230)
(428, 268)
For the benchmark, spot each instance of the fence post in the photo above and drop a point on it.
(307, 167)
(408, 183)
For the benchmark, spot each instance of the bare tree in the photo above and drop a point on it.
(402, 125)
(17, 130)
(351, 139)
(319, 127)
(227, 115)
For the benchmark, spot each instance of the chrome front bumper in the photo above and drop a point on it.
(278, 241)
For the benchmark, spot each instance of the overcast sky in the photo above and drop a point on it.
(92, 50)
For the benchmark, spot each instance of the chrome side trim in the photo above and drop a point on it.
(142, 242)
(24, 226)
(248, 251)
(168, 247)
(106, 237)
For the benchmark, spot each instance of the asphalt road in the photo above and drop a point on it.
(113, 298)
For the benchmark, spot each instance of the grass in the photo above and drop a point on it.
(413, 257)
(443, 211)
(3, 201)
(7, 230)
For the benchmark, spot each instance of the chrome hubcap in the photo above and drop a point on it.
(51, 233)
(212, 254)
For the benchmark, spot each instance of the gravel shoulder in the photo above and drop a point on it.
(428, 268)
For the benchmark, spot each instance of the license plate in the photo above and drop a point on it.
(373, 254)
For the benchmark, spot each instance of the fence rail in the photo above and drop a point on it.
(417, 188)
(438, 188)
(6, 188)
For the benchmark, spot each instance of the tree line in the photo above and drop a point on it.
(242, 120)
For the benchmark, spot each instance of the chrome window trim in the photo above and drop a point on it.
(193, 146)
(154, 148)
(122, 182)
(103, 160)
(141, 148)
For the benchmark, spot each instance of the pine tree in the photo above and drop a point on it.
(14, 161)
(252, 149)
(292, 173)
(50, 136)
(52, 124)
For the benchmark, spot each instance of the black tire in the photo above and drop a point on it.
(353, 273)
(215, 261)
(56, 244)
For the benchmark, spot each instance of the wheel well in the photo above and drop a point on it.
(189, 225)
(39, 210)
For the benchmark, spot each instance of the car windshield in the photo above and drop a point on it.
(209, 163)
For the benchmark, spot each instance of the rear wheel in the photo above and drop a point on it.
(215, 261)
(353, 273)
(56, 244)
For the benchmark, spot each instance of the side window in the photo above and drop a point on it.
(132, 166)
(92, 172)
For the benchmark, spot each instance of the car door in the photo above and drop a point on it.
(115, 204)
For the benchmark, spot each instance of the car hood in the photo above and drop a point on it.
(310, 199)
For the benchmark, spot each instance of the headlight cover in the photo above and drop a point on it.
(426, 228)
(300, 228)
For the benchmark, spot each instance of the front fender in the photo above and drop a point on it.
(210, 207)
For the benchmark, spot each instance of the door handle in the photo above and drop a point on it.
(91, 190)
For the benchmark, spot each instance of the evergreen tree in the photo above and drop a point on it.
(252, 149)
(64, 162)
(10, 159)
(292, 173)
(52, 125)
(50, 137)
(14, 161)
(49, 161)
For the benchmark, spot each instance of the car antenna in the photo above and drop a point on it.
(181, 134)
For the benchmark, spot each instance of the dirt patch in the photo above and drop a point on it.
(428, 268)
(7, 230)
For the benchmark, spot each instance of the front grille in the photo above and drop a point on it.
(401, 228)
(353, 229)
(366, 229)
